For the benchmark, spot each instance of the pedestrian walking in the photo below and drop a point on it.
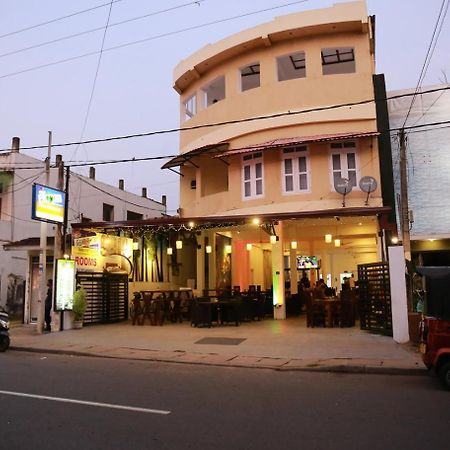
(48, 305)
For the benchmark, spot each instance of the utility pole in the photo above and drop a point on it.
(404, 211)
(58, 251)
(43, 251)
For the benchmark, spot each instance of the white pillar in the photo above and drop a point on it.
(294, 272)
(201, 264)
(279, 301)
(399, 304)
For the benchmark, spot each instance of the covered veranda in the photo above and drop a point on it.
(268, 253)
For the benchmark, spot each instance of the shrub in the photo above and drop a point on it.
(79, 304)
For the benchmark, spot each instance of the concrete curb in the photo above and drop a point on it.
(374, 367)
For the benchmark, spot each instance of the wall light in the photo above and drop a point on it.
(337, 242)
(293, 245)
(328, 238)
(191, 224)
(249, 247)
(169, 250)
(274, 238)
(179, 245)
(394, 240)
(208, 249)
(228, 249)
(135, 245)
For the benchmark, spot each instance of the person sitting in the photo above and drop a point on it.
(319, 289)
(304, 282)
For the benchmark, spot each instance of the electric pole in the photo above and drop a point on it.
(404, 210)
(43, 251)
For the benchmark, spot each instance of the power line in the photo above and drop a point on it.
(411, 128)
(57, 19)
(235, 121)
(91, 96)
(430, 52)
(81, 178)
(93, 30)
(159, 36)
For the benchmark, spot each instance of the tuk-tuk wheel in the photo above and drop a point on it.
(444, 374)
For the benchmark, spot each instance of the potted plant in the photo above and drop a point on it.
(79, 307)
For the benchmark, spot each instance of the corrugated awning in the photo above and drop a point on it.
(290, 142)
(186, 157)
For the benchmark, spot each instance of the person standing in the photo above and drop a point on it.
(48, 305)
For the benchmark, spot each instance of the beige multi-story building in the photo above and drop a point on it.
(279, 120)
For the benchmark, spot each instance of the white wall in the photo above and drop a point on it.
(86, 198)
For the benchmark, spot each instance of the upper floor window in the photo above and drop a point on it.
(338, 60)
(252, 175)
(214, 91)
(190, 107)
(291, 66)
(250, 77)
(108, 212)
(343, 161)
(131, 215)
(295, 169)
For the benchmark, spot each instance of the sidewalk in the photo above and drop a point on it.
(270, 344)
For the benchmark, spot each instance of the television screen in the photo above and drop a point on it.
(307, 262)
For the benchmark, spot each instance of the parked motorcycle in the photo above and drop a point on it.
(4, 331)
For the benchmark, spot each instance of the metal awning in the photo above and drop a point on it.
(290, 142)
(186, 157)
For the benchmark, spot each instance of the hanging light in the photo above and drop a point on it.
(208, 249)
(191, 224)
(135, 245)
(273, 239)
(337, 242)
(228, 249)
(394, 240)
(293, 245)
(169, 250)
(328, 238)
(248, 247)
(256, 221)
(179, 245)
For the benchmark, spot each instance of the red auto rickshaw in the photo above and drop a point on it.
(435, 324)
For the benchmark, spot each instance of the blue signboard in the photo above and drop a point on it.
(47, 204)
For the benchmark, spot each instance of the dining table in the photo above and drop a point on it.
(330, 307)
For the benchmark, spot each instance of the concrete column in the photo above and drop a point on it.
(279, 311)
(399, 304)
(201, 264)
(294, 271)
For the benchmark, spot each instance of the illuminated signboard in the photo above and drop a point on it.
(65, 284)
(47, 204)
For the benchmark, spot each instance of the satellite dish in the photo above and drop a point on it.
(343, 186)
(368, 185)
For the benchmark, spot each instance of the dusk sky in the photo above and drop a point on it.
(133, 89)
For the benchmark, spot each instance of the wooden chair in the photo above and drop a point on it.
(315, 313)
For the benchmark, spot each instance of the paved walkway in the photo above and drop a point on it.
(281, 345)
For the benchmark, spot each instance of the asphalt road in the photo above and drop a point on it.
(63, 402)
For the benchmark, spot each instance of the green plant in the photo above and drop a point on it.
(79, 304)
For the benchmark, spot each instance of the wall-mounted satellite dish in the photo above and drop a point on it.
(343, 186)
(368, 184)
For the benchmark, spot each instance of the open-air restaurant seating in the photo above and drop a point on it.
(231, 306)
(215, 306)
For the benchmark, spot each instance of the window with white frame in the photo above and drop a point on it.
(338, 60)
(295, 166)
(250, 76)
(252, 175)
(343, 161)
(190, 107)
(291, 66)
(214, 91)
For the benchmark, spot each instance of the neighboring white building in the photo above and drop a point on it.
(89, 199)
(428, 163)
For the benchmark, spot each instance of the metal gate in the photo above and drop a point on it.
(375, 312)
(107, 297)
